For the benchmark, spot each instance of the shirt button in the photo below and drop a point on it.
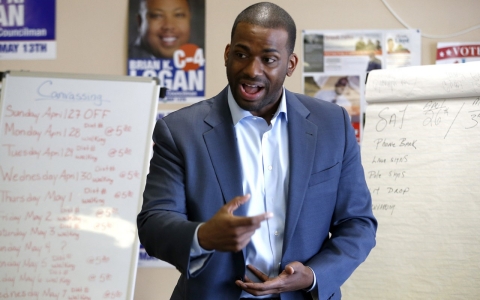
(270, 168)
(276, 233)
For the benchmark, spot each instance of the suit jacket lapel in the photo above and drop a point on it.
(302, 136)
(221, 143)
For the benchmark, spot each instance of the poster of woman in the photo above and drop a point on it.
(167, 41)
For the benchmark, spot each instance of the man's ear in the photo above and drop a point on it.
(292, 64)
(227, 52)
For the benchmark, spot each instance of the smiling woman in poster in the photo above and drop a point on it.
(163, 26)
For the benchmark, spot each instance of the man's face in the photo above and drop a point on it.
(339, 89)
(164, 26)
(257, 62)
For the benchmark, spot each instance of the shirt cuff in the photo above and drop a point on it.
(196, 250)
(198, 255)
(314, 284)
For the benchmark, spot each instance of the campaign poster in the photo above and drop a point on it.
(167, 41)
(455, 53)
(27, 29)
(336, 63)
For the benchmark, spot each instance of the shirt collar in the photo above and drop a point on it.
(239, 113)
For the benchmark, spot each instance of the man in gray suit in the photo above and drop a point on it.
(258, 193)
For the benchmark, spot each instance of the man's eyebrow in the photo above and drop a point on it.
(266, 50)
(270, 50)
(242, 46)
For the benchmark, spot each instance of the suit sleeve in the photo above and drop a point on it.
(353, 226)
(162, 224)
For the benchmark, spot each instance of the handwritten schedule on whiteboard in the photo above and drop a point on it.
(73, 155)
(421, 155)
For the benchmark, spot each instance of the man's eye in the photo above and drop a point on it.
(269, 60)
(241, 55)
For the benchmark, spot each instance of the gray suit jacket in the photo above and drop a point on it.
(195, 170)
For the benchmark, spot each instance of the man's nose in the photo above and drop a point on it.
(254, 68)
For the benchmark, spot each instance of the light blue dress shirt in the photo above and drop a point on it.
(263, 150)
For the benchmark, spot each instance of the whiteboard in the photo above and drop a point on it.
(421, 154)
(74, 153)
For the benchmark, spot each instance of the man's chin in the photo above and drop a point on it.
(248, 105)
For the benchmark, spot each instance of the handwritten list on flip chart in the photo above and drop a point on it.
(74, 152)
(421, 154)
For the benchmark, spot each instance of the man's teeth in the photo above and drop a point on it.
(251, 89)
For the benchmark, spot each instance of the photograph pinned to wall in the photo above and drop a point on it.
(360, 50)
(341, 51)
(341, 89)
(313, 53)
(455, 53)
(402, 49)
(27, 30)
(166, 39)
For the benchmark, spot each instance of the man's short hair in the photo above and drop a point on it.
(268, 15)
(343, 81)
